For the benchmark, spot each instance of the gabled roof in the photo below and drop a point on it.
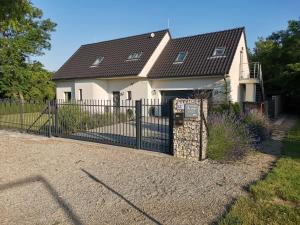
(115, 53)
(199, 60)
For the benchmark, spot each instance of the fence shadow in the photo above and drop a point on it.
(55, 195)
(121, 196)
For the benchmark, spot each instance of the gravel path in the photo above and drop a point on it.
(60, 181)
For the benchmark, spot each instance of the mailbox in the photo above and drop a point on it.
(191, 111)
(178, 119)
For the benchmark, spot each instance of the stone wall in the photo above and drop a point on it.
(187, 142)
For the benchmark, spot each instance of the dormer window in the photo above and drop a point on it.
(180, 57)
(219, 51)
(135, 56)
(97, 61)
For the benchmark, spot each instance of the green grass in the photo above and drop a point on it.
(275, 200)
(14, 120)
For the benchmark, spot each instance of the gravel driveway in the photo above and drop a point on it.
(60, 181)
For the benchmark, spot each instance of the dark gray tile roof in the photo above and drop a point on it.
(115, 53)
(198, 61)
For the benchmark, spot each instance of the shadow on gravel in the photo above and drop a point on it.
(55, 195)
(121, 196)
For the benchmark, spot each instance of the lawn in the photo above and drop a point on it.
(14, 120)
(275, 200)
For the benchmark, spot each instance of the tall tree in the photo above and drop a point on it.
(23, 34)
(280, 57)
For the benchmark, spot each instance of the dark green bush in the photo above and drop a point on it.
(225, 107)
(258, 124)
(235, 107)
(151, 111)
(73, 118)
(130, 114)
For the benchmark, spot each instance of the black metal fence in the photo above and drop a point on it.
(137, 124)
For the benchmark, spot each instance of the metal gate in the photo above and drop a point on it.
(155, 129)
(137, 124)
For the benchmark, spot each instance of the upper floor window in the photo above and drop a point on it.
(97, 61)
(180, 57)
(135, 56)
(219, 51)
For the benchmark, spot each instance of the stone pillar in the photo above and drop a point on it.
(189, 141)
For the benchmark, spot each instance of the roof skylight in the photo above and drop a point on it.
(97, 61)
(219, 51)
(180, 57)
(135, 56)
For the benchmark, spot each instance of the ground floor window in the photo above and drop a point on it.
(116, 98)
(129, 95)
(80, 94)
(68, 96)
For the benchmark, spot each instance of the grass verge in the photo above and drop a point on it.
(275, 200)
(13, 121)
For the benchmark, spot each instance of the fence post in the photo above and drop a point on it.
(56, 116)
(49, 119)
(171, 123)
(201, 130)
(138, 123)
(21, 114)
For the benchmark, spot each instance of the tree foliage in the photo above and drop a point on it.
(280, 57)
(24, 34)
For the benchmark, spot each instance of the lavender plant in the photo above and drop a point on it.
(229, 137)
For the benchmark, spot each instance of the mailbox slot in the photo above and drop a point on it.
(179, 119)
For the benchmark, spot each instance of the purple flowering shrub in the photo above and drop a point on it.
(229, 139)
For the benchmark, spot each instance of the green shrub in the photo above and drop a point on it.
(130, 114)
(99, 120)
(236, 108)
(225, 107)
(258, 124)
(228, 138)
(72, 118)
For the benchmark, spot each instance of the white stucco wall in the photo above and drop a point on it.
(91, 88)
(155, 55)
(235, 68)
(64, 86)
(139, 88)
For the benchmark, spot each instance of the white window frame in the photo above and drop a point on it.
(134, 56)
(129, 95)
(177, 61)
(80, 95)
(97, 62)
(217, 49)
(66, 93)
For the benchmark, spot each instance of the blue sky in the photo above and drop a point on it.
(87, 21)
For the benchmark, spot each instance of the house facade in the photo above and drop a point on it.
(156, 66)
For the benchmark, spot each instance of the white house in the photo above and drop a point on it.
(156, 66)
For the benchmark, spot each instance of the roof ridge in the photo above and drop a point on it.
(117, 39)
(213, 32)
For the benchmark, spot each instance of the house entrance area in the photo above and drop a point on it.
(137, 124)
(168, 96)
